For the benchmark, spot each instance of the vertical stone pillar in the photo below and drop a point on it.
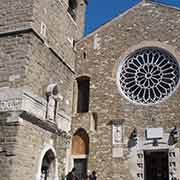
(140, 165)
(172, 162)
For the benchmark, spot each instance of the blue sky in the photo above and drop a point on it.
(101, 11)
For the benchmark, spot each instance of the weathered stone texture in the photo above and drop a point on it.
(32, 61)
(15, 15)
(48, 68)
(21, 159)
(8, 139)
(15, 57)
(26, 160)
(60, 31)
(147, 24)
(29, 61)
(32, 56)
(59, 26)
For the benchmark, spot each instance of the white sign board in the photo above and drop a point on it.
(154, 133)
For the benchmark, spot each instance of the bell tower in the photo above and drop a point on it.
(37, 61)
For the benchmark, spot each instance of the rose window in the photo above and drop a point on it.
(148, 75)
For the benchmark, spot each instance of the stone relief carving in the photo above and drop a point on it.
(51, 108)
(52, 99)
(140, 165)
(172, 162)
(173, 136)
(116, 133)
(18, 101)
(10, 104)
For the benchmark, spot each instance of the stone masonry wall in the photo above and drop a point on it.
(15, 15)
(8, 133)
(25, 60)
(28, 154)
(60, 28)
(19, 159)
(99, 55)
(32, 60)
(80, 18)
(45, 68)
(15, 50)
(30, 57)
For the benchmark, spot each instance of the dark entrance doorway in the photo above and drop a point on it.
(156, 165)
(81, 168)
(48, 166)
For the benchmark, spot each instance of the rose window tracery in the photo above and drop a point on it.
(148, 75)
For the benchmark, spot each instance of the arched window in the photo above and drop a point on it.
(80, 143)
(72, 8)
(149, 75)
(83, 94)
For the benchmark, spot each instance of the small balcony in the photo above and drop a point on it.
(16, 100)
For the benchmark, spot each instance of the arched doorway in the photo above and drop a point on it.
(80, 151)
(48, 166)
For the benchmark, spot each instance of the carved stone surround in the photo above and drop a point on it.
(136, 156)
(18, 100)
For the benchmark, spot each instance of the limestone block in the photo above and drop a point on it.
(117, 152)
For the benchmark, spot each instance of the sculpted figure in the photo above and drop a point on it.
(117, 133)
(52, 94)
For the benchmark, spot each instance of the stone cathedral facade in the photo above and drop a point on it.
(108, 102)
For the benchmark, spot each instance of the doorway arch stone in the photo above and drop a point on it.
(48, 152)
(80, 152)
